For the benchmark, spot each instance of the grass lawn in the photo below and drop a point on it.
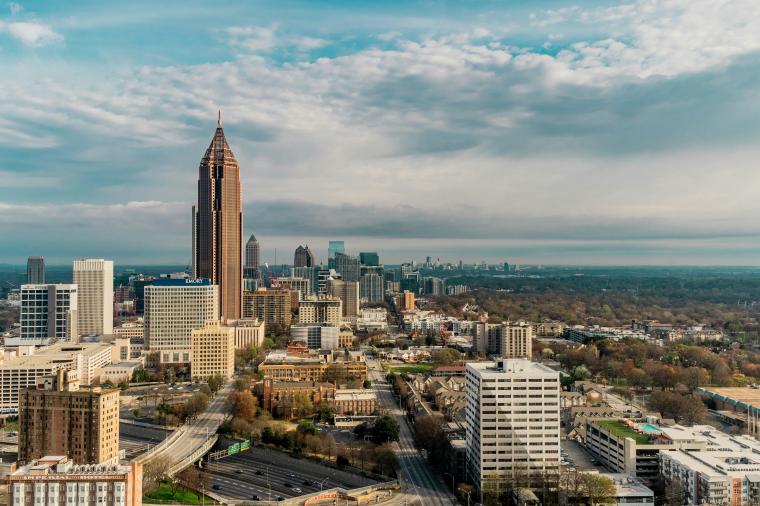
(622, 430)
(411, 368)
(163, 495)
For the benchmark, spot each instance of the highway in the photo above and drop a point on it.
(192, 435)
(136, 440)
(423, 485)
(260, 470)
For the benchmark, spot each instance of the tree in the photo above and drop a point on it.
(674, 494)
(307, 427)
(302, 404)
(242, 404)
(215, 383)
(325, 412)
(196, 405)
(242, 383)
(385, 429)
(367, 384)
(446, 356)
(154, 471)
(599, 489)
(240, 427)
(140, 375)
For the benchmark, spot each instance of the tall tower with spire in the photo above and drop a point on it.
(218, 224)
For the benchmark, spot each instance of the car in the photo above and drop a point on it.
(296, 490)
(259, 472)
(280, 498)
(291, 475)
(255, 498)
(286, 485)
(216, 486)
(307, 483)
(238, 471)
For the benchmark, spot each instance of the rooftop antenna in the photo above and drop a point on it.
(219, 118)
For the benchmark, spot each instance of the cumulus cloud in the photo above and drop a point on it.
(32, 33)
(15, 8)
(644, 132)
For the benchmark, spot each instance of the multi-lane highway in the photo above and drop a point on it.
(194, 434)
(422, 484)
(136, 440)
(260, 472)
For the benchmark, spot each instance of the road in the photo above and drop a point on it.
(197, 432)
(423, 485)
(137, 440)
(260, 471)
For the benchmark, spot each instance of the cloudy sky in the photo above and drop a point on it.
(540, 132)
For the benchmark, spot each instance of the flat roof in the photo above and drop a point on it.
(741, 396)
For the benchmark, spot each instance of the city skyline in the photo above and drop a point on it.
(580, 147)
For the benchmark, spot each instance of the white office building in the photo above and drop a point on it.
(173, 308)
(48, 313)
(94, 280)
(513, 424)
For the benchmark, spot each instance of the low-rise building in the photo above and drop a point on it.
(120, 371)
(726, 471)
(249, 332)
(355, 401)
(130, 330)
(631, 447)
(286, 367)
(57, 481)
(281, 398)
(320, 309)
(316, 336)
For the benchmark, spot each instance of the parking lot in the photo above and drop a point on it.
(574, 455)
(264, 474)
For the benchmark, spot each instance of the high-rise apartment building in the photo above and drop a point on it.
(252, 259)
(35, 271)
(513, 424)
(213, 348)
(371, 288)
(506, 339)
(334, 247)
(272, 306)
(218, 224)
(303, 257)
(94, 280)
(48, 313)
(59, 418)
(407, 301)
(348, 293)
(56, 481)
(173, 308)
(320, 309)
(347, 266)
(301, 285)
(433, 286)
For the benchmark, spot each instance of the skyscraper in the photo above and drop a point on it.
(94, 280)
(332, 248)
(348, 293)
(347, 266)
(218, 224)
(35, 270)
(252, 258)
(303, 257)
(369, 258)
(48, 312)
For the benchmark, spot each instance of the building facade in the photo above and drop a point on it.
(35, 271)
(249, 332)
(173, 308)
(94, 280)
(271, 306)
(348, 293)
(316, 337)
(57, 481)
(506, 339)
(48, 313)
(348, 266)
(303, 257)
(252, 259)
(58, 418)
(213, 351)
(320, 309)
(513, 422)
(218, 224)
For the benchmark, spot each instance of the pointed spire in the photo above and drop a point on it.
(219, 118)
